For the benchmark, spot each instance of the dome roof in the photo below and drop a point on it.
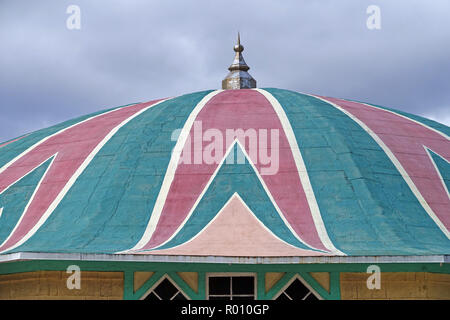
(251, 172)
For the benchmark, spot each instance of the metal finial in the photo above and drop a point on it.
(238, 47)
(238, 78)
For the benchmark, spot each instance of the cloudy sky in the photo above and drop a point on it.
(129, 51)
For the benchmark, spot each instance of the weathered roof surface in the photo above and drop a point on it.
(351, 179)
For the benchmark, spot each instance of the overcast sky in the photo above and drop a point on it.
(129, 51)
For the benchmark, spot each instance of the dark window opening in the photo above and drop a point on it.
(231, 288)
(296, 291)
(165, 291)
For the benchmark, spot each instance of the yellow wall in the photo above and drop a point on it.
(109, 285)
(52, 285)
(397, 285)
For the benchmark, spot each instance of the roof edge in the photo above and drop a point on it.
(27, 256)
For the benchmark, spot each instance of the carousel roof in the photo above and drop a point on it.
(186, 176)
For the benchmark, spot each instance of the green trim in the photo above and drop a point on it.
(130, 294)
(58, 265)
(128, 285)
(335, 286)
(279, 285)
(184, 286)
(202, 285)
(261, 285)
(161, 268)
(145, 287)
(335, 289)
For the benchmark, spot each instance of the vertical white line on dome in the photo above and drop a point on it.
(302, 172)
(74, 177)
(396, 163)
(170, 173)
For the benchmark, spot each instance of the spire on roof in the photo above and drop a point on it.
(238, 78)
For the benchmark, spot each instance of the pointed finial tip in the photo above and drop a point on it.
(238, 47)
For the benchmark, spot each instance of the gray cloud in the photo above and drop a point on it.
(129, 51)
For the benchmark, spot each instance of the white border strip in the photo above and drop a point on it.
(403, 116)
(436, 168)
(74, 177)
(54, 134)
(266, 189)
(52, 157)
(170, 173)
(26, 256)
(30, 171)
(396, 162)
(302, 172)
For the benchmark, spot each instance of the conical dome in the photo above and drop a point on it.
(284, 172)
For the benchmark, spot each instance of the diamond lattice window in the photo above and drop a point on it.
(166, 290)
(296, 290)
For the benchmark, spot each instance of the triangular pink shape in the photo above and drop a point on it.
(236, 232)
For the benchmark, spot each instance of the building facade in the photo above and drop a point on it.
(228, 194)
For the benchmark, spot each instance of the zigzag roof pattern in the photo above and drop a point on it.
(353, 179)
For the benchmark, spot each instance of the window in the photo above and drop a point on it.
(231, 287)
(297, 290)
(165, 290)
